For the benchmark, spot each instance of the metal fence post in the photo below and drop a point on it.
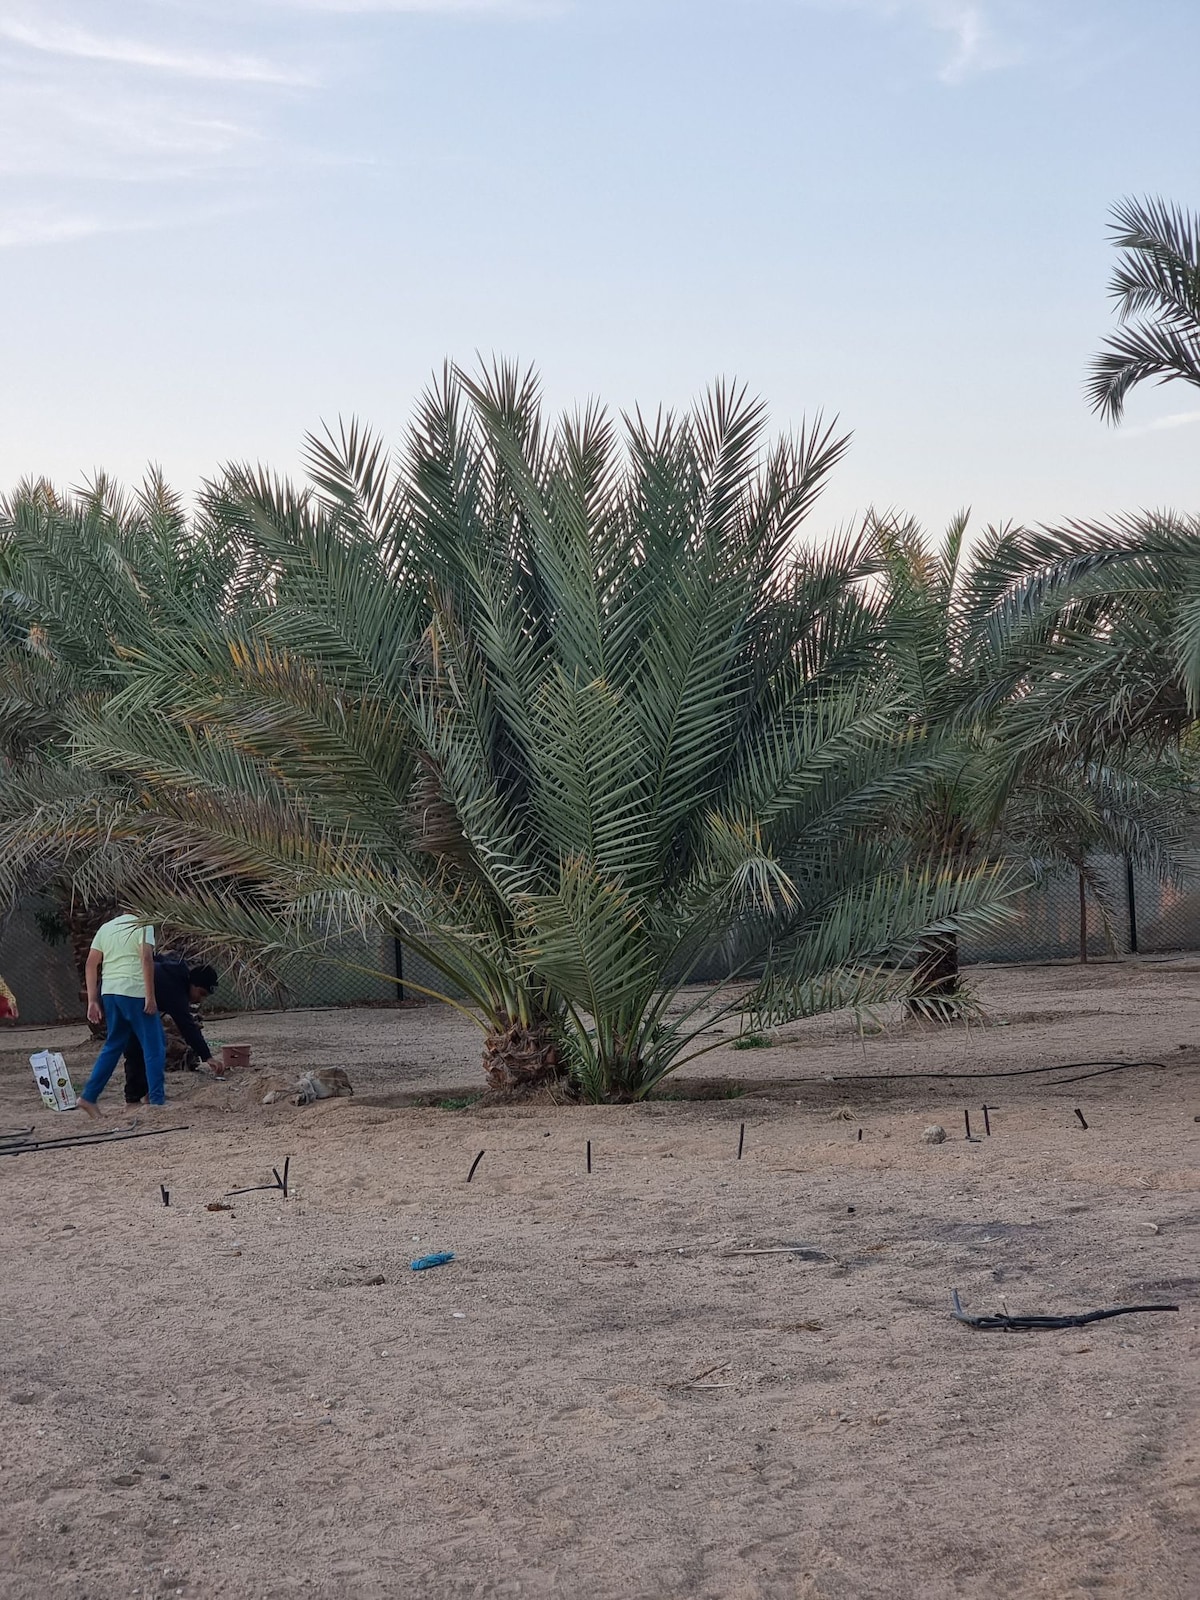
(1131, 907)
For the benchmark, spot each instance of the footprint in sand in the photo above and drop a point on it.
(631, 1405)
(624, 1404)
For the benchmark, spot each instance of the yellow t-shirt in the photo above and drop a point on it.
(120, 943)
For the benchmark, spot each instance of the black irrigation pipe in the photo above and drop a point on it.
(1017, 1324)
(90, 1134)
(91, 1138)
(1115, 1066)
(281, 1183)
(1006, 1072)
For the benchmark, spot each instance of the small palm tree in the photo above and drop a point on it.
(86, 578)
(1156, 287)
(1027, 685)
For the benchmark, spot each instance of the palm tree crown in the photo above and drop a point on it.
(1156, 287)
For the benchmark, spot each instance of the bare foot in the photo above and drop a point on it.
(92, 1110)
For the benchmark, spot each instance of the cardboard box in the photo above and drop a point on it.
(53, 1080)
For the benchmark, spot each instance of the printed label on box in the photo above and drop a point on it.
(53, 1080)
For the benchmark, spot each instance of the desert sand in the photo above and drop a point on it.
(606, 1394)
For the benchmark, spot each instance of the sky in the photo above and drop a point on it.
(224, 222)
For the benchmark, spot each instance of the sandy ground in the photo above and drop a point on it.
(600, 1397)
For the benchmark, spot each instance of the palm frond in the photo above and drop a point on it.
(1156, 287)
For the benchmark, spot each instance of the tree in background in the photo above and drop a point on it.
(86, 578)
(1040, 790)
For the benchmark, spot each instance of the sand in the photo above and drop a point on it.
(601, 1396)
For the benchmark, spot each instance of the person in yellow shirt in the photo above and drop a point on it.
(120, 990)
(8, 1003)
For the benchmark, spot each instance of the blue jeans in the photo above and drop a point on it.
(127, 1019)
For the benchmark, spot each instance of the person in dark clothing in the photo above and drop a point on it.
(177, 988)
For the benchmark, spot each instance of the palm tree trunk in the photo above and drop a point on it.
(519, 1056)
(936, 981)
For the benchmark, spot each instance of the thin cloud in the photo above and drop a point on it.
(972, 37)
(976, 41)
(39, 225)
(84, 46)
(139, 108)
(67, 131)
(113, 115)
(1173, 420)
(504, 8)
(30, 227)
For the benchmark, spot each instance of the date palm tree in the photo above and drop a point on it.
(568, 710)
(1053, 699)
(85, 577)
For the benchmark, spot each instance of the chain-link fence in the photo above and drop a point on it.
(351, 971)
(1132, 913)
(377, 970)
(42, 975)
(1120, 910)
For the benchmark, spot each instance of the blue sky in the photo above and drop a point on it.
(222, 221)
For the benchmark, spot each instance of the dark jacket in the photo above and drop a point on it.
(172, 991)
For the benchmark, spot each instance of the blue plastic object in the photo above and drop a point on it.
(423, 1263)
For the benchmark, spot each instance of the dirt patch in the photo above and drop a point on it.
(684, 1376)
